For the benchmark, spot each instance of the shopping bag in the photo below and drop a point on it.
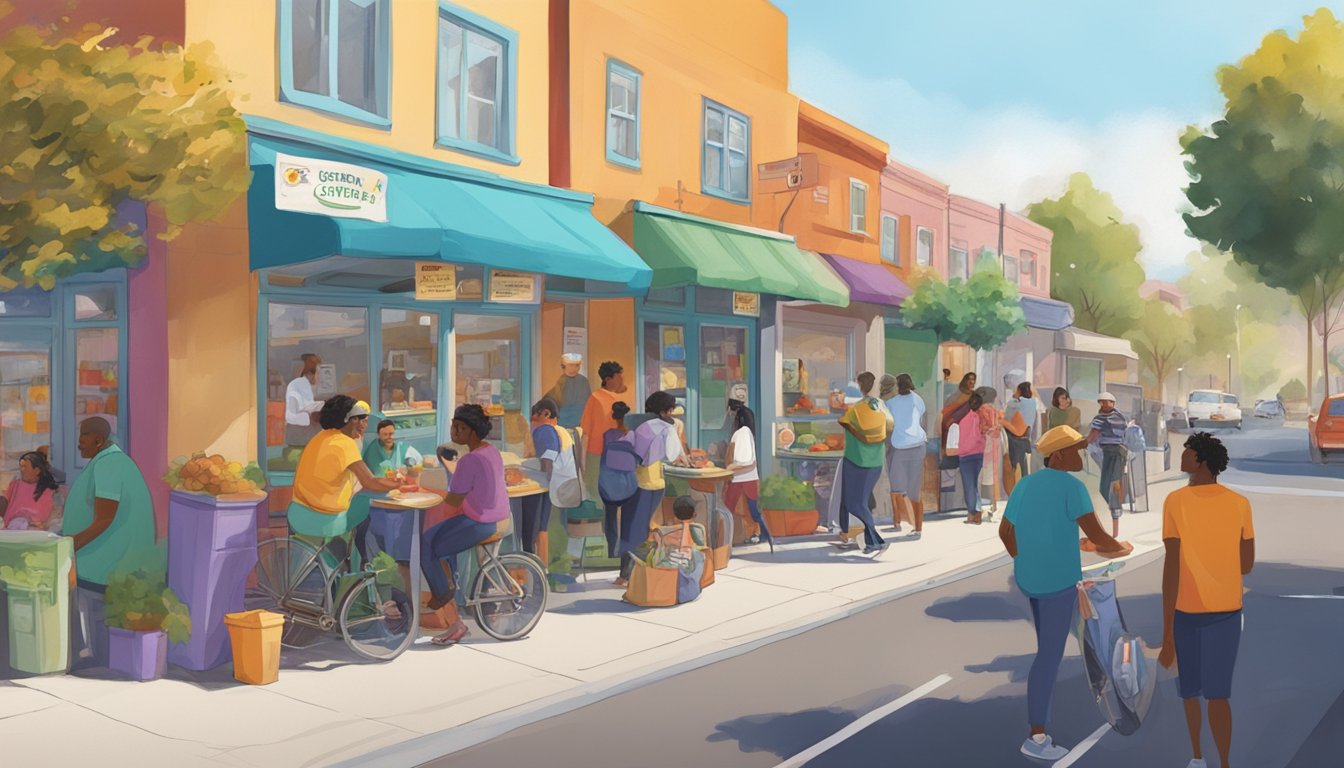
(652, 585)
(688, 577)
(1017, 426)
(953, 445)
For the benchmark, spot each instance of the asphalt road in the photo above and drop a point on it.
(778, 701)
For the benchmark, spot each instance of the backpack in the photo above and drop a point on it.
(616, 479)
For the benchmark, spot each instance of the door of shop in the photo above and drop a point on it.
(700, 362)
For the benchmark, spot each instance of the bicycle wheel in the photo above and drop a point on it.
(509, 595)
(375, 618)
(292, 581)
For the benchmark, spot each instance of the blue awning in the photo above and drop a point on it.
(435, 211)
(1046, 314)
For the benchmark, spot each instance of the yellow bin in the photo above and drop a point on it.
(255, 636)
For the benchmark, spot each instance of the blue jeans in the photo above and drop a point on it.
(536, 518)
(612, 513)
(444, 542)
(856, 486)
(635, 519)
(1112, 470)
(971, 464)
(1053, 616)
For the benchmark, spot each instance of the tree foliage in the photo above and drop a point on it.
(1162, 338)
(982, 312)
(1095, 256)
(1268, 178)
(91, 131)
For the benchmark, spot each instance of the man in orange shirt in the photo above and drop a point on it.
(1210, 545)
(597, 420)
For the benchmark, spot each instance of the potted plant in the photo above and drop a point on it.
(789, 506)
(143, 616)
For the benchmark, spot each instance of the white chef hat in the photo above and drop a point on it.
(569, 358)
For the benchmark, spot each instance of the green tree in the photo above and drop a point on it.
(982, 312)
(1268, 178)
(1294, 390)
(1095, 256)
(90, 130)
(1162, 339)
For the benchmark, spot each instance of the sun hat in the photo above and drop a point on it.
(1105, 396)
(1058, 439)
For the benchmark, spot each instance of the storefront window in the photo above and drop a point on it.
(96, 303)
(25, 303)
(25, 398)
(490, 374)
(1084, 378)
(665, 360)
(408, 382)
(96, 377)
(817, 367)
(339, 336)
(723, 369)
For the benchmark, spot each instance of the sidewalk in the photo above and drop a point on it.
(327, 708)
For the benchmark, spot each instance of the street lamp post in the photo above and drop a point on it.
(1180, 381)
(1229, 371)
(1236, 318)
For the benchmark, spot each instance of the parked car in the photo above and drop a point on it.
(1325, 430)
(1269, 409)
(1212, 408)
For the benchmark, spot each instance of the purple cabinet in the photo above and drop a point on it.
(212, 547)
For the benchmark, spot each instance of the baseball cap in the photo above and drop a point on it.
(1105, 396)
(360, 408)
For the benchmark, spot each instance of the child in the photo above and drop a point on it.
(28, 501)
(683, 539)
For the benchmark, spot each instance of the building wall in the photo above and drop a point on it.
(820, 217)
(972, 225)
(1022, 234)
(917, 200)
(248, 46)
(160, 19)
(682, 61)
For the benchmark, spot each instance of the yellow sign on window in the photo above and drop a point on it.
(435, 281)
(748, 304)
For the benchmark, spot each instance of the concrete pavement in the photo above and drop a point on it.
(328, 707)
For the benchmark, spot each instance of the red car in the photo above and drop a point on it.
(1325, 431)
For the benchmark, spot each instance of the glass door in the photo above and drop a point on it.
(25, 397)
(724, 372)
(408, 375)
(490, 370)
(663, 361)
(97, 348)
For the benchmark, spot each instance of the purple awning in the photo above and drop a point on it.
(871, 283)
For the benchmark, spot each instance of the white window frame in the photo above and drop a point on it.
(891, 246)
(1010, 268)
(922, 257)
(952, 262)
(1032, 278)
(858, 222)
(615, 67)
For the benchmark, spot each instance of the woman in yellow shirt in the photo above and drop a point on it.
(325, 505)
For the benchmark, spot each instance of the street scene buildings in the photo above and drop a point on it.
(393, 382)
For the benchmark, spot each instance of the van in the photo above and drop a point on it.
(1212, 408)
(1325, 430)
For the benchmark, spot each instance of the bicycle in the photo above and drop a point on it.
(508, 593)
(1121, 678)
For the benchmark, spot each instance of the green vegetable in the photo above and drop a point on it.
(142, 601)
(32, 575)
(787, 493)
(805, 441)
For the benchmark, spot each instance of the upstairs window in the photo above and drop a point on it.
(1010, 268)
(477, 69)
(858, 206)
(924, 247)
(623, 85)
(958, 263)
(727, 153)
(1029, 268)
(891, 243)
(334, 56)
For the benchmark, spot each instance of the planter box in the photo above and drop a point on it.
(788, 522)
(137, 655)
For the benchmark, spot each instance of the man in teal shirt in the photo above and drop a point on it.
(1040, 531)
(110, 515)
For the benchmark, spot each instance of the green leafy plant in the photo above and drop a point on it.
(142, 601)
(787, 493)
(982, 312)
(33, 574)
(1294, 390)
(386, 571)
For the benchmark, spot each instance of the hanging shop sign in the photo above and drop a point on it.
(332, 189)
(513, 287)
(745, 303)
(435, 281)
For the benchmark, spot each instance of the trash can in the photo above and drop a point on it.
(35, 574)
(255, 636)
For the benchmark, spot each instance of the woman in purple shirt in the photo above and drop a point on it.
(477, 490)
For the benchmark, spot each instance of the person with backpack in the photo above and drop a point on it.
(655, 442)
(867, 425)
(554, 447)
(742, 463)
(616, 483)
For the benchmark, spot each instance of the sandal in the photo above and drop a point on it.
(451, 637)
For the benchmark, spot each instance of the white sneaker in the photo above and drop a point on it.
(1197, 762)
(1042, 747)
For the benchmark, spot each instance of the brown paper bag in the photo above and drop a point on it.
(652, 585)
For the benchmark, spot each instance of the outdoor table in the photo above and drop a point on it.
(709, 481)
(404, 517)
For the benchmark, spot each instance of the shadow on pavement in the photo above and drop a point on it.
(982, 606)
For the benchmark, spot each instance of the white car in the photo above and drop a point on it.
(1212, 408)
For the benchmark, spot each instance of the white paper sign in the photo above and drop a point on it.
(576, 341)
(331, 189)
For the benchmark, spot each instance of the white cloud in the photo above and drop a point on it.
(1018, 155)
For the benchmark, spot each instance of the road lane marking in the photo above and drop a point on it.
(1283, 491)
(1315, 597)
(863, 722)
(1082, 748)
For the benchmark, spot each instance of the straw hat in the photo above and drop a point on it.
(1058, 439)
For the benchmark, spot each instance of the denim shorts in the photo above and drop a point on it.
(1206, 653)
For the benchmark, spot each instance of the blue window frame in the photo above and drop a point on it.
(477, 85)
(727, 153)
(335, 56)
(623, 104)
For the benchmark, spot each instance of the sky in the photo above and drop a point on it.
(1004, 100)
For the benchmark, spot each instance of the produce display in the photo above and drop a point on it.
(787, 493)
(33, 574)
(514, 476)
(698, 458)
(143, 602)
(214, 475)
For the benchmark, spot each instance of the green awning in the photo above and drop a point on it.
(689, 250)
(433, 211)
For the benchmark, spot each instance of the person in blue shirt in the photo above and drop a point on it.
(1108, 432)
(1039, 530)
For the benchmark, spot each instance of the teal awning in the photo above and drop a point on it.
(689, 250)
(435, 211)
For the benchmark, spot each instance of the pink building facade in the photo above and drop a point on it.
(914, 210)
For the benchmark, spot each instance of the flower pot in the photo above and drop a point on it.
(790, 522)
(137, 655)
